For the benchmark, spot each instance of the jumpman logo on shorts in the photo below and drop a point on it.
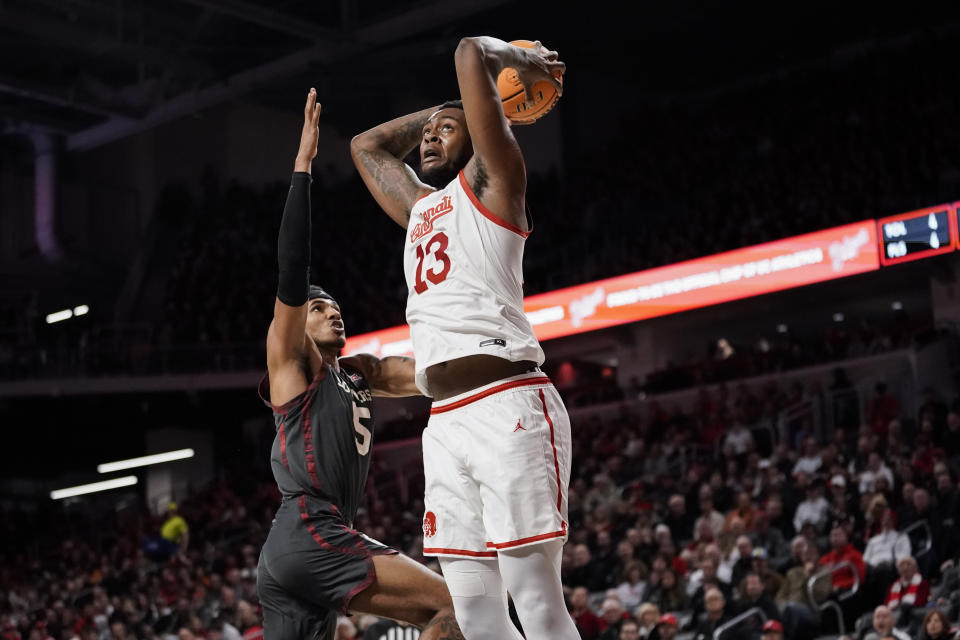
(519, 427)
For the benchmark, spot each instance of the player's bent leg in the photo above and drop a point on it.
(479, 599)
(532, 575)
(406, 590)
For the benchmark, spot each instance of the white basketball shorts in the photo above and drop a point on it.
(496, 464)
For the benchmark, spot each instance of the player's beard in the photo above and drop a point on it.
(440, 176)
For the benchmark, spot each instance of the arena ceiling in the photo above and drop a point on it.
(98, 70)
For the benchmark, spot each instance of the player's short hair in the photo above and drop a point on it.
(452, 104)
(319, 292)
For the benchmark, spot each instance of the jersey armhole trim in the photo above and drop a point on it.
(489, 215)
(263, 389)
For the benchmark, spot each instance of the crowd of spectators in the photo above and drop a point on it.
(679, 521)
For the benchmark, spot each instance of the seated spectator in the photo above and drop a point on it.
(809, 463)
(772, 630)
(584, 572)
(742, 560)
(613, 614)
(588, 624)
(745, 511)
(647, 617)
(882, 555)
(668, 626)
(752, 595)
(678, 520)
(707, 574)
(633, 586)
(813, 510)
(669, 595)
(800, 614)
(875, 469)
(842, 551)
(910, 591)
(936, 626)
(630, 630)
(770, 578)
(883, 626)
(771, 540)
(888, 547)
(708, 512)
(714, 615)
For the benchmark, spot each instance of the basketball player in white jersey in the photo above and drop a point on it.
(497, 448)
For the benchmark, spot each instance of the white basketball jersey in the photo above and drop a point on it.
(464, 270)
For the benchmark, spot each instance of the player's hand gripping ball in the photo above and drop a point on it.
(529, 92)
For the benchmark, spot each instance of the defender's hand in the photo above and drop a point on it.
(539, 63)
(310, 135)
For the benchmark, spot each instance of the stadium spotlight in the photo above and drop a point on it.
(838, 317)
(143, 461)
(59, 316)
(896, 305)
(82, 310)
(105, 485)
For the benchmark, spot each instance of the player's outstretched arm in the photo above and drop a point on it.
(287, 344)
(497, 157)
(390, 377)
(378, 155)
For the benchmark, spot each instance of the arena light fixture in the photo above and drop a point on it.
(93, 487)
(896, 305)
(81, 310)
(59, 316)
(838, 317)
(781, 328)
(143, 461)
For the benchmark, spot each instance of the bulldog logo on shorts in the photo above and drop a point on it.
(429, 524)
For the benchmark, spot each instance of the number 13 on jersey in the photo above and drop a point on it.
(437, 247)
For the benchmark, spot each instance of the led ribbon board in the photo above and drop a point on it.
(774, 266)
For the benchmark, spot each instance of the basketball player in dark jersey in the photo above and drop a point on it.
(314, 565)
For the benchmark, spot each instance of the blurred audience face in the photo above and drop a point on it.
(838, 538)
(797, 547)
(579, 599)
(921, 500)
(611, 610)
(934, 626)
(677, 505)
(667, 631)
(648, 615)
(882, 620)
(629, 630)
(906, 567)
(753, 586)
(714, 602)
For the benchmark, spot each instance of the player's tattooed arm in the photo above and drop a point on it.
(443, 627)
(378, 155)
(390, 377)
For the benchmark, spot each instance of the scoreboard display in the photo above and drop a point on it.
(917, 234)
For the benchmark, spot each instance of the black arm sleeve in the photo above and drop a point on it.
(293, 243)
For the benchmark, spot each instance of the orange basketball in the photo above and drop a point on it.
(515, 104)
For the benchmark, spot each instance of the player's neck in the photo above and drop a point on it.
(330, 357)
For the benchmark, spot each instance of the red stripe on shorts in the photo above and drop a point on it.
(516, 543)
(556, 461)
(461, 552)
(527, 382)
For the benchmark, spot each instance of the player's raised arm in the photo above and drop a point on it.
(378, 155)
(390, 377)
(287, 344)
(497, 158)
